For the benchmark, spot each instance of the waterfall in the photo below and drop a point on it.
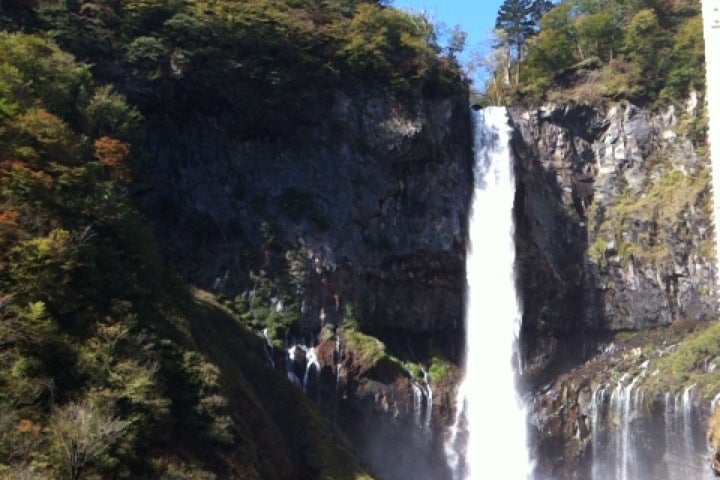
(639, 438)
(489, 437)
(422, 401)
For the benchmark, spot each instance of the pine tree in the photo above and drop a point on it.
(538, 8)
(519, 20)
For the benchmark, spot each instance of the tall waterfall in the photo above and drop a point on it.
(488, 439)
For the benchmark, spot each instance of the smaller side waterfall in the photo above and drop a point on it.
(303, 368)
(422, 402)
(639, 438)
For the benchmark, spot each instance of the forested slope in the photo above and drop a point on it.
(110, 367)
(598, 51)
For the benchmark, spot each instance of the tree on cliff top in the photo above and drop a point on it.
(599, 49)
(519, 20)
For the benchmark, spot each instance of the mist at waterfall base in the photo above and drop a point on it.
(488, 439)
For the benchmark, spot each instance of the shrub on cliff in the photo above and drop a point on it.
(265, 63)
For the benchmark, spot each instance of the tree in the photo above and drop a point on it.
(519, 20)
(456, 43)
(644, 42)
(513, 19)
(84, 433)
(538, 8)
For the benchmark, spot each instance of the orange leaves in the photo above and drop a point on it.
(21, 179)
(28, 426)
(7, 165)
(112, 153)
(44, 126)
(43, 134)
(9, 216)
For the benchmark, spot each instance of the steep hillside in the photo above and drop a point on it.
(107, 361)
(306, 163)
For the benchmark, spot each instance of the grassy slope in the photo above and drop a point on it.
(284, 429)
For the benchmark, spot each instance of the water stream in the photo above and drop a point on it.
(489, 437)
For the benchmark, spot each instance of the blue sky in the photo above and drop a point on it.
(476, 17)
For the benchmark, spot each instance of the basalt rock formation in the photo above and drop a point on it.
(613, 235)
(376, 192)
(366, 209)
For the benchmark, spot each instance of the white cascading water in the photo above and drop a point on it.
(629, 442)
(489, 438)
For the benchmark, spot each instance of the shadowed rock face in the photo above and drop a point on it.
(613, 227)
(376, 191)
(376, 194)
(591, 260)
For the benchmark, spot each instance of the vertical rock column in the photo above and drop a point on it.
(711, 24)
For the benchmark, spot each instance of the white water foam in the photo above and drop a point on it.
(489, 438)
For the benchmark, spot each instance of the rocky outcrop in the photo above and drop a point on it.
(613, 220)
(613, 234)
(376, 192)
(361, 213)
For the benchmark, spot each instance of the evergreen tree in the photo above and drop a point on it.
(513, 19)
(519, 20)
(538, 8)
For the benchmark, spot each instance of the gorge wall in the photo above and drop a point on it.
(613, 214)
(356, 224)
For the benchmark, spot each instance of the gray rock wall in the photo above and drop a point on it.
(372, 198)
(376, 192)
(613, 215)
(614, 233)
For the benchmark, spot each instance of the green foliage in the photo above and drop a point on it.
(440, 370)
(644, 51)
(255, 57)
(82, 434)
(596, 251)
(640, 223)
(389, 44)
(369, 349)
(211, 406)
(34, 73)
(688, 363)
(99, 373)
(685, 61)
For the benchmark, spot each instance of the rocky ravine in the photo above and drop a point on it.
(613, 234)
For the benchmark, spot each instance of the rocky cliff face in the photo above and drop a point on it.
(613, 234)
(360, 214)
(365, 210)
(613, 220)
(376, 192)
